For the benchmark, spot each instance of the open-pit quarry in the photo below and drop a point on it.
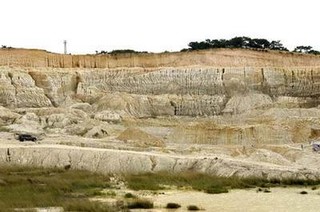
(226, 112)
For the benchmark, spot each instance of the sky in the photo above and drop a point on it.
(153, 25)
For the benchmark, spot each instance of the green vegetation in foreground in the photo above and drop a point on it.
(25, 187)
(206, 183)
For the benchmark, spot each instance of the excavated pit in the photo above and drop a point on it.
(225, 112)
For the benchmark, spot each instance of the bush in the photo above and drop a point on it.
(193, 208)
(303, 192)
(129, 195)
(171, 205)
(216, 190)
(140, 204)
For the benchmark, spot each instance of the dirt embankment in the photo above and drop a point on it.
(216, 58)
(108, 161)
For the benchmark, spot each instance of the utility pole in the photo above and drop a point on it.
(65, 46)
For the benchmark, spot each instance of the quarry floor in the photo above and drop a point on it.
(280, 199)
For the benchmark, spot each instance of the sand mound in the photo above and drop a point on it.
(140, 138)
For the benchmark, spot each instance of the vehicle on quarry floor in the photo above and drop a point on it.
(26, 137)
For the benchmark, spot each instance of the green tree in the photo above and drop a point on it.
(238, 42)
(303, 49)
(277, 45)
(199, 45)
(314, 52)
(259, 43)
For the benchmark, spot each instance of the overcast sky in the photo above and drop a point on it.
(154, 25)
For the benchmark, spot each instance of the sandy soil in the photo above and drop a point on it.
(280, 199)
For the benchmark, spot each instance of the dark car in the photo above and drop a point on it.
(26, 137)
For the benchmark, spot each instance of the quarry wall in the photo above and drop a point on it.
(215, 58)
(187, 91)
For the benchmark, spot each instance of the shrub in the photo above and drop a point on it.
(303, 192)
(140, 204)
(129, 195)
(193, 208)
(171, 205)
(267, 191)
(259, 190)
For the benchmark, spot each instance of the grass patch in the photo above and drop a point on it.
(86, 205)
(4, 129)
(206, 183)
(111, 193)
(216, 190)
(98, 192)
(25, 187)
(29, 187)
(201, 182)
